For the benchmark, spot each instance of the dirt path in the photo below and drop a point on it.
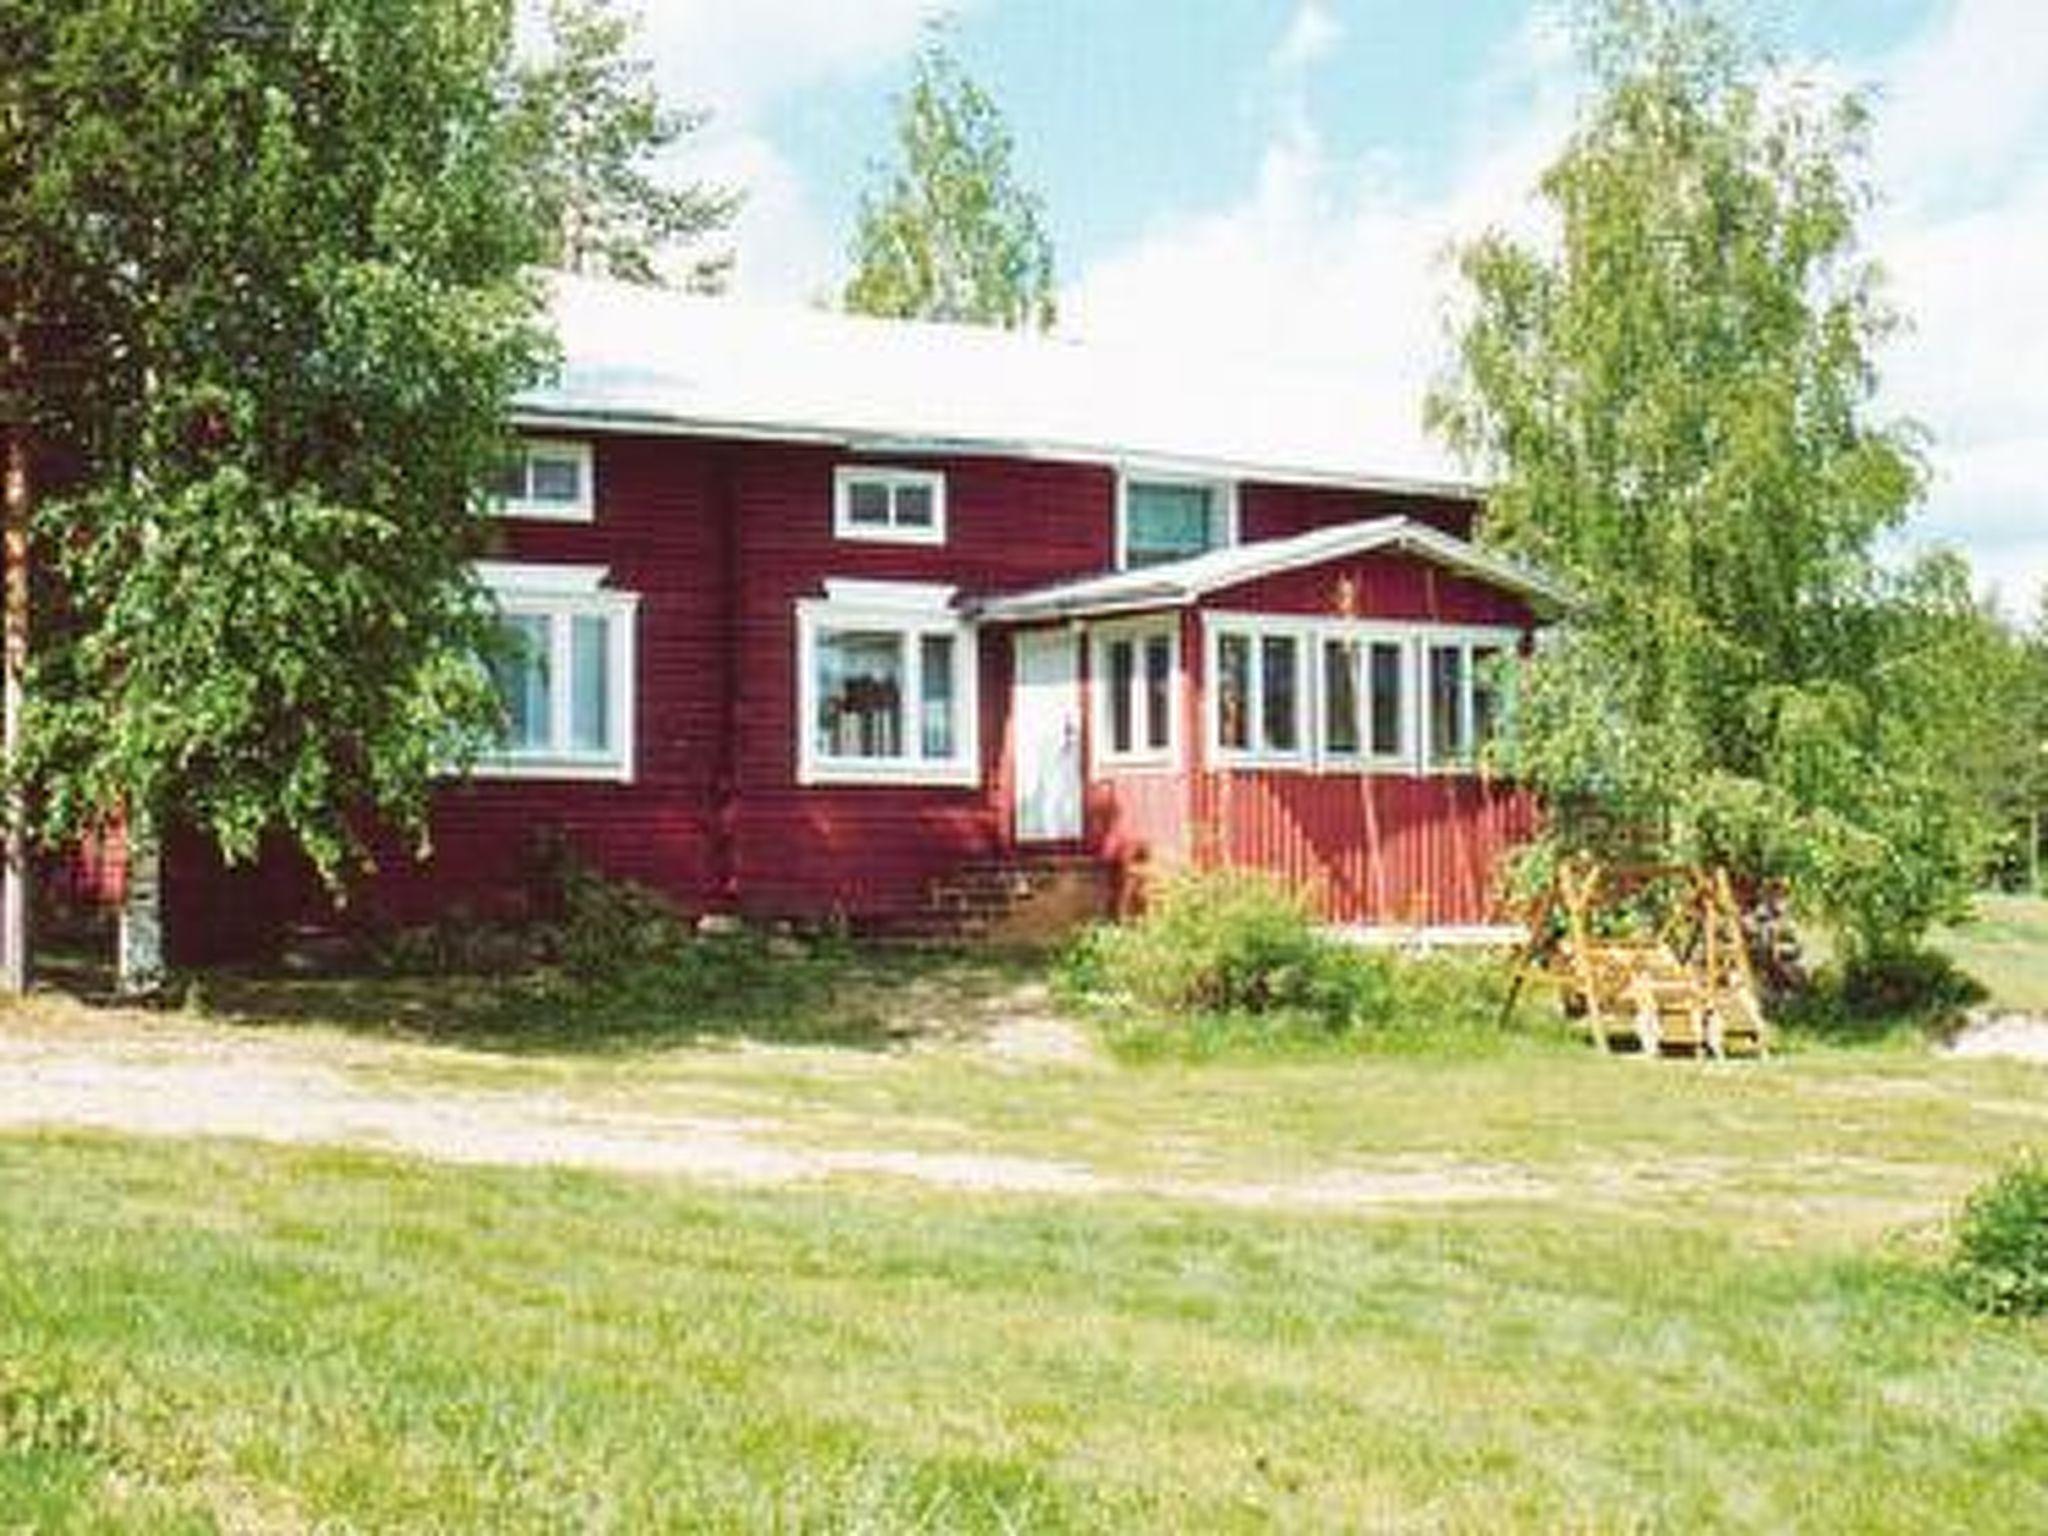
(190, 1085)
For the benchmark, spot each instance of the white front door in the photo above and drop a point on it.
(1046, 716)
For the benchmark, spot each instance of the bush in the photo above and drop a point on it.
(611, 927)
(2000, 1265)
(1872, 996)
(1233, 961)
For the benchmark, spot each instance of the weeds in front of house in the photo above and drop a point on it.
(2000, 1262)
(1231, 962)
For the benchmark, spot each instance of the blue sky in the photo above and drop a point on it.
(1281, 176)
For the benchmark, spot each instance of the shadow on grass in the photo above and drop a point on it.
(859, 997)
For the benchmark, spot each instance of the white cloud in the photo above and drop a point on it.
(1312, 36)
(1334, 260)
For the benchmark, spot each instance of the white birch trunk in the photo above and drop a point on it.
(139, 945)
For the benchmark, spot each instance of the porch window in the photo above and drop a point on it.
(546, 478)
(1363, 705)
(887, 687)
(1467, 703)
(1163, 519)
(1259, 701)
(1135, 671)
(894, 506)
(563, 671)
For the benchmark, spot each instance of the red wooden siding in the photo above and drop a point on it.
(721, 539)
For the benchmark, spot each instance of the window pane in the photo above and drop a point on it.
(935, 659)
(913, 506)
(1119, 680)
(508, 482)
(521, 676)
(1167, 522)
(1446, 711)
(1340, 697)
(1281, 702)
(1486, 694)
(556, 477)
(1233, 691)
(1387, 705)
(1159, 692)
(860, 694)
(867, 503)
(590, 695)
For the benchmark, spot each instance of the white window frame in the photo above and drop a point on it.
(1417, 757)
(1257, 627)
(912, 610)
(582, 510)
(1223, 511)
(561, 594)
(846, 476)
(1365, 760)
(1142, 754)
(1467, 639)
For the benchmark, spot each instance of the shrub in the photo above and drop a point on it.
(2000, 1264)
(1879, 995)
(1233, 961)
(610, 927)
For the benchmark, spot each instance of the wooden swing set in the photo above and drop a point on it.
(1652, 957)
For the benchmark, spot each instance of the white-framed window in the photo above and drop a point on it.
(890, 506)
(1259, 703)
(547, 477)
(1364, 689)
(1136, 673)
(1463, 702)
(1344, 696)
(565, 674)
(1167, 517)
(886, 687)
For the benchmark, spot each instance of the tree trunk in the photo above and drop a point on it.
(14, 546)
(139, 946)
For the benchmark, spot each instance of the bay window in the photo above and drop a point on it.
(886, 687)
(563, 670)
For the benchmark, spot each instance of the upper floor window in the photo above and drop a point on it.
(547, 477)
(895, 506)
(1161, 519)
(886, 685)
(564, 672)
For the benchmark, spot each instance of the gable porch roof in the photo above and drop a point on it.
(1178, 583)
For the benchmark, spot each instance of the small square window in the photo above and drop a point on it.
(546, 479)
(1167, 520)
(900, 506)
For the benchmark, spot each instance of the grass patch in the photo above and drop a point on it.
(348, 1339)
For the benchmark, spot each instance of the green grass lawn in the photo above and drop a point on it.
(1720, 1310)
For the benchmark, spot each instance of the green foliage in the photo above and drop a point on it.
(1909, 994)
(2000, 1263)
(1230, 961)
(952, 236)
(591, 127)
(268, 258)
(1673, 403)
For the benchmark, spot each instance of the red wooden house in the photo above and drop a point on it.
(821, 610)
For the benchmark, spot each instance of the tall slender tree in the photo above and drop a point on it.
(950, 234)
(595, 133)
(1674, 402)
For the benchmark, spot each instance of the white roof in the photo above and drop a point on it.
(1180, 582)
(651, 360)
